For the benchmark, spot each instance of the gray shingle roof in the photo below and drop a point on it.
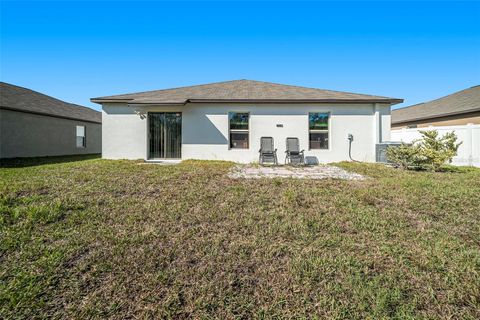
(460, 102)
(26, 100)
(242, 91)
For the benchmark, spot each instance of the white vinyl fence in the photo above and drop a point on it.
(468, 152)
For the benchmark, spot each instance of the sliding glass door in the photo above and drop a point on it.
(165, 135)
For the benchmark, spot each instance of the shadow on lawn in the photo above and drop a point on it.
(36, 161)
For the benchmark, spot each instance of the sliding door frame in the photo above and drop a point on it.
(148, 134)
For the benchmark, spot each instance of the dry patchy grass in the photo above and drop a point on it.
(114, 239)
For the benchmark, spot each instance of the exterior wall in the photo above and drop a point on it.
(456, 120)
(31, 135)
(205, 130)
(469, 151)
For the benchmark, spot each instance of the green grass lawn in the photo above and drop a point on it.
(118, 239)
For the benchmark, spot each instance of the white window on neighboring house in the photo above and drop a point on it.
(81, 141)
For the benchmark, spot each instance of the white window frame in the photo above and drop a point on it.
(320, 131)
(238, 130)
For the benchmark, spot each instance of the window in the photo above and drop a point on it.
(81, 142)
(238, 130)
(318, 130)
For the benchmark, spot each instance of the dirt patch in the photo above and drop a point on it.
(307, 172)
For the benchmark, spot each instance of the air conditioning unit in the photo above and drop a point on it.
(381, 150)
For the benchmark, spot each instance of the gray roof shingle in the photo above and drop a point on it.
(26, 100)
(242, 91)
(460, 102)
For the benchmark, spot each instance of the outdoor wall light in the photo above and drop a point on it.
(141, 114)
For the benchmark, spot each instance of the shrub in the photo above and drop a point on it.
(436, 151)
(430, 152)
(403, 156)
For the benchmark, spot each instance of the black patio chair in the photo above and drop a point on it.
(267, 151)
(294, 154)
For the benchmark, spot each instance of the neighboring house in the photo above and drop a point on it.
(33, 125)
(458, 112)
(225, 121)
(459, 108)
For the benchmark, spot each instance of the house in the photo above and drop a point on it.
(225, 121)
(459, 108)
(33, 124)
(458, 112)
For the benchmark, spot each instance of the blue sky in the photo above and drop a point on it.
(77, 50)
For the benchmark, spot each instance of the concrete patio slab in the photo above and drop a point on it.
(308, 172)
(164, 162)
